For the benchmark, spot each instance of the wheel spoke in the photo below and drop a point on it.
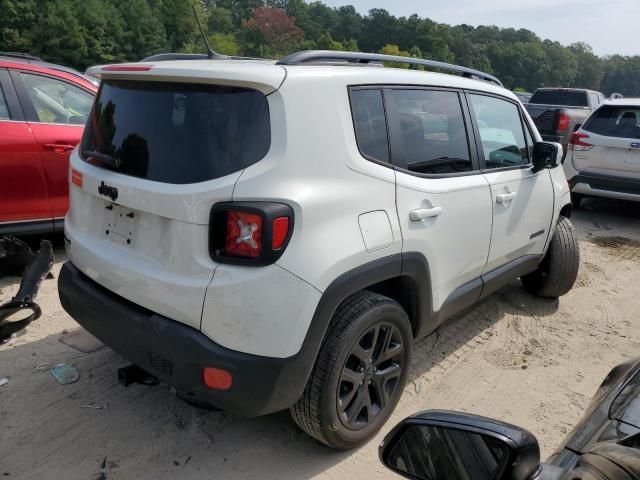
(350, 376)
(380, 380)
(361, 401)
(345, 400)
(365, 353)
(392, 371)
(361, 354)
(390, 353)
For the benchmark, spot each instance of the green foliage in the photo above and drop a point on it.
(325, 42)
(390, 49)
(81, 33)
(225, 43)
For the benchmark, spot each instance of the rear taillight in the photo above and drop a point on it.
(243, 234)
(249, 233)
(577, 143)
(563, 121)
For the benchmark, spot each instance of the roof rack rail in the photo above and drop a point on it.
(24, 56)
(323, 56)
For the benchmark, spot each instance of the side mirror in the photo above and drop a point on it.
(546, 155)
(438, 445)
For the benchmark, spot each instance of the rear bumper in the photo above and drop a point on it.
(177, 353)
(606, 186)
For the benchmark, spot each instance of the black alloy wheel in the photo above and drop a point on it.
(370, 375)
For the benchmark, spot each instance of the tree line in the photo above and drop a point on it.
(81, 33)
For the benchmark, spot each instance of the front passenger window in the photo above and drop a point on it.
(501, 132)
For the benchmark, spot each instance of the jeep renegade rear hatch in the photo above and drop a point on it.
(176, 133)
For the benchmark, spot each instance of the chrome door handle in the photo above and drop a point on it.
(506, 197)
(422, 213)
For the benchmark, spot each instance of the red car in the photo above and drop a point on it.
(43, 109)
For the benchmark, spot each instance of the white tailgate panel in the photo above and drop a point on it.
(157, 258)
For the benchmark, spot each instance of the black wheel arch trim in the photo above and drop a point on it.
(412, 266)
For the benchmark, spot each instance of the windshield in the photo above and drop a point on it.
(569, 98)
(175, 132)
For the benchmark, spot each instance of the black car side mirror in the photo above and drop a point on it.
(546, 155)
(443, 445)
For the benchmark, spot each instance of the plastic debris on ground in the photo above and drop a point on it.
(3, 381)
(81, 340)
(43, 367)
(65, 373)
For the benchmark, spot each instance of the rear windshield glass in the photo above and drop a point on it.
(619, 122)
(560, 97)
(174, 132)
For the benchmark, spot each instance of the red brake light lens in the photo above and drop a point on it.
(563, 121)
(280, 231)
(243, 234)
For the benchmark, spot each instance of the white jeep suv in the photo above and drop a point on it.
(269, 235)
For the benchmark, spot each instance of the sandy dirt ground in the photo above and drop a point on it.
(532, 362)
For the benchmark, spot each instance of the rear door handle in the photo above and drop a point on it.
(59, 147)
(422, 213)
(506, 197)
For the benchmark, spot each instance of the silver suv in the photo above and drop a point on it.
(604, 158)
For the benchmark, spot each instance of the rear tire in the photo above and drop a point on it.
(558, 271)
(360, 372)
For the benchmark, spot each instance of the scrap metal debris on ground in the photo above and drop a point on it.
(17, 258)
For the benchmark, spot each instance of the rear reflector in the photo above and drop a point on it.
(76, 178)
(127, 68)
(217, 379)
(280, 231)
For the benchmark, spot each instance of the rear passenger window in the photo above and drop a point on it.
(501, 132)
(4, 110)
(429, 132)
(370, 124)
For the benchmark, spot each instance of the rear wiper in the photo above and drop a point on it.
(103, 157)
